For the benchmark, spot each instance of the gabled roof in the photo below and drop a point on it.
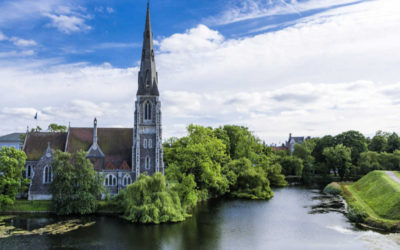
(110, 166)
(124, 166)
(14, 137)
(37, 142)
(116, 143)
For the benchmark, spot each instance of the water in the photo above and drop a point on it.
(295, 218)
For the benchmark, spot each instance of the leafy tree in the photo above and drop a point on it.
(201, 154)
(37, 129)
(292, 165)
(338, 159)
(12, 165)
(76, 185)
(390, 161)
(355, 141)
(379, 142)
(242, 143)
(320, 145)
(393, 143)
(57, 128)
(369, 161)
(246, 180)
(150, 200)
(272, 168)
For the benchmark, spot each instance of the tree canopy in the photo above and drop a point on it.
(76, 186)
(12, 165)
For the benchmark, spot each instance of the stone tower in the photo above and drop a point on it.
(147, 151)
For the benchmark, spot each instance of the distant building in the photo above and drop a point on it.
(293, 141)
(11, 140)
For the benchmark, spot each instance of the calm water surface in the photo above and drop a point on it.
(295, 218)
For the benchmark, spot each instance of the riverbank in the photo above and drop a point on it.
(45, 207)
(374, 200)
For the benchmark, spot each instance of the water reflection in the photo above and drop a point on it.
(295, 218)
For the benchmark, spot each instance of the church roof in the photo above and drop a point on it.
(37, 142)
(116, 143)
(148, 79)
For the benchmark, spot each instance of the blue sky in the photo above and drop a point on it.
(310, 67)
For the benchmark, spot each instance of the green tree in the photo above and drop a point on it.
(201, 154)
(150, 200)
(320, 145)
(292, 165)
(393, 143)
(246, 180)
(76, 186)
(242, 143)
(355, 141)
(338, 159)
(379, 142)
(369, 161)
(57, 128)
(37, 129)
(12, 165)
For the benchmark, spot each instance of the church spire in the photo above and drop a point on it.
(147, 77)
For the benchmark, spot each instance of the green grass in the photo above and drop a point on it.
(109, 207)
(377, 197)
(25, 206)
(397, 174)
(28, 206)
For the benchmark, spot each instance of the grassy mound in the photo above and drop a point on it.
(375, 200)
(380, 193)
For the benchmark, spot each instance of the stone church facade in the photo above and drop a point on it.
(120, 155)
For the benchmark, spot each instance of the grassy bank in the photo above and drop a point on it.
(374, 200)
(25, 206)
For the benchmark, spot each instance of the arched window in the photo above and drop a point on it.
(150, 143)
(147, 162)
(47, 178)
(145, 143)
(147, 111)
(29, 171)
(127, 180)
(110, 180)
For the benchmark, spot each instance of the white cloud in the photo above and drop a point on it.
(68, 24)
(250, 9)
(2, 36)
(22, 42)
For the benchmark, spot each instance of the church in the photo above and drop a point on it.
(118, 154)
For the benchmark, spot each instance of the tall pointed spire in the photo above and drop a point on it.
(148, 79)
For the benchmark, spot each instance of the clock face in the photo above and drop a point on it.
(48, 155)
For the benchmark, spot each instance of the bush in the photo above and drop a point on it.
(356, 214)
(333, 188)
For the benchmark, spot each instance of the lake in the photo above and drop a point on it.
(296, 218)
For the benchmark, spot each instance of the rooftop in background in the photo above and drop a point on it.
(14, 137)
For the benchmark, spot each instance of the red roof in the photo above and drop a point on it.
(110, 166)
(124, 166)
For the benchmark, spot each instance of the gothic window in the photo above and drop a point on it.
(47, 178)
(110, 180)
(152, 55)
(150, 143)
(147, 111)
(29, 171)
(147, 162)
(127, 180)
(145, 143)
